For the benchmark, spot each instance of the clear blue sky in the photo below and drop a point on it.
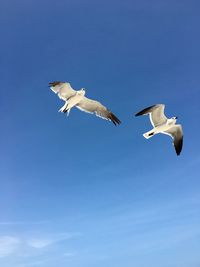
(79, 191)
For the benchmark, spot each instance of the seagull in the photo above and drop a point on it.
(163, 125)
(77, 99)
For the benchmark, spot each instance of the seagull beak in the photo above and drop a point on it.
(176, 118)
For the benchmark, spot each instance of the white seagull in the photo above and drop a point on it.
(163, 125)
(77, 99)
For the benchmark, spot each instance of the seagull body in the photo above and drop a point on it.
(77, 99)
(163, 125)
(72, 101)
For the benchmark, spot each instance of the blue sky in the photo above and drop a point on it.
(79, 191)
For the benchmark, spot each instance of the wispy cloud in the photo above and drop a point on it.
(8, 245)
(69, 254)
(23, 222)
(40, 243)
(32, 264)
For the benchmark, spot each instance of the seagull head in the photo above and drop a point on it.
(82, 91)
(173, 119)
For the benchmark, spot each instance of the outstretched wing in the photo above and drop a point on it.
(156, 114)
(176, 133)
(95, 107)
(63, 89)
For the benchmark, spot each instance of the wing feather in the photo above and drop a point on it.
(156, 114)
(63, 89)
(176, 132)
(95, 107)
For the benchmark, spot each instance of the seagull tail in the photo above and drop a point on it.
(65, 109)
(149, 134)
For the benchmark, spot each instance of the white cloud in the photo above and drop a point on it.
(22, 222)
(40, 243)
(8, 245)
(21, 246)
(69, 254)
(30, 264)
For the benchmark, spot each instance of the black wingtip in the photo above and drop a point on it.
(114, 119)
(137, 114)
(54, 83)
(178, 147)
(145, 111)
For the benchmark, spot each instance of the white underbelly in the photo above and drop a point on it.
(162, 128)
(73, 101)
